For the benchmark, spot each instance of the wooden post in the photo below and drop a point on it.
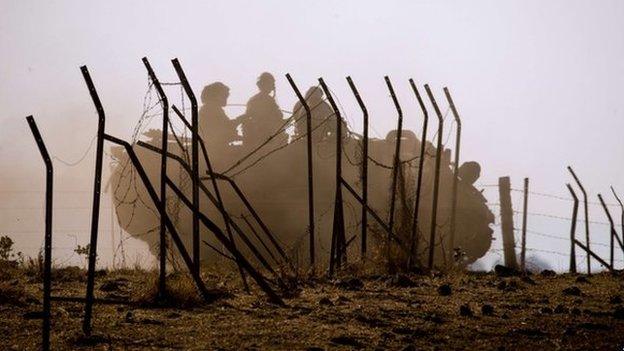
(507, 227)
(524, 225)
(573, 230)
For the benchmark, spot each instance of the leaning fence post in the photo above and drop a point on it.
(397, 152)
(364, 166)
(613, 232)
(95, 214)
(507, 227)
(304, 103)
(436, 180)
(219, 201)
(586, 209)
(573, 230)
(423, 143)
(194, 157)
(338, 232)
(524, 224)
(455, 173)
(47, 258)
(622, 215)
(162, 286)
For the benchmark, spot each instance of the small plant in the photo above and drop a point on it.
(83, 251)
(7, 252)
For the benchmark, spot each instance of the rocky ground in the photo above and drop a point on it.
(402, 312)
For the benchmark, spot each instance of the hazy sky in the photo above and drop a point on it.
(537, 83)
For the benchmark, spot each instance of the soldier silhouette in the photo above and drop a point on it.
(215, 127)
(323, 117)
(263, 117)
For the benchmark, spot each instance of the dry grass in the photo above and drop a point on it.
(181, 292)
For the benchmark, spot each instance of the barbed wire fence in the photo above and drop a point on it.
(564, 222)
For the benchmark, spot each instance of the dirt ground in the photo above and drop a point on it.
(475, 311)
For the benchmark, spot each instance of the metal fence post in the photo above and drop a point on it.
(397, 152)
(304, 103)
(47, 258)
(421, 161)
(364, 213)
(455, 173)
(162, 273)
(338, 232)
(524, 224)
(622, 214)
(573, 230)
(95, 214)
(578, 182)
(507, 226)
(436, 180)
(194, 157)
(613, 232)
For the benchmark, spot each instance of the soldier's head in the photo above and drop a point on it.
(314, 95)
(266, 83)
(216, 93)
(469, 172)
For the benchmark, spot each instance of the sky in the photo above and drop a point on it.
(537, 84)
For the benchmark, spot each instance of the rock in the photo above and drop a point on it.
(402, 281)
(618, 312)
(569, 331)
(403, 331)
(174, 315)
(33, 315)
(548, 273)
(92, 340)
(503, 271)
(325, 301)
(152, 321)
(350, 284)
(561, 309)
(572, 291)
(445, 290)
(594, 326)
(112, 285)
(347, 341)
(529, 332)
(511, 285)
(501, 285)
(343, 300)
(465, 311)
(487, 310)
(129, 317)
(528, 280)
